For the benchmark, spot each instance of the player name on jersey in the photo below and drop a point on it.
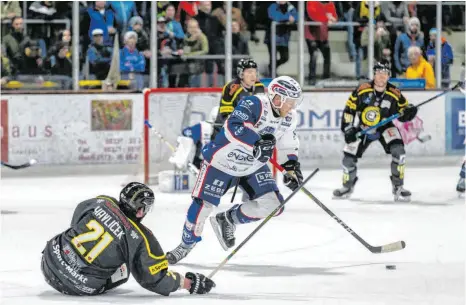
(109, 222)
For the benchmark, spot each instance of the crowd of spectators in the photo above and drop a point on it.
(115, 36)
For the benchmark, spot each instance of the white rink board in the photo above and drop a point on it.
(56, 129)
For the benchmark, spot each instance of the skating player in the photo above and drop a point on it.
(245, 84)
(191, 142)
(106, 243)
(368, 105)
(239, 154)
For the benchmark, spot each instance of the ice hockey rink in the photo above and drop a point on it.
(301, 257)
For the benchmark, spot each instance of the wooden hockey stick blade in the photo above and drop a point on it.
(396, 246)
(25, 165)
(232, 253)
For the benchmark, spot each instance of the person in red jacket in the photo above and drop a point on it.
(317, 35)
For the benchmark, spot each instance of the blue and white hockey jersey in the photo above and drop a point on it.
(232, 149)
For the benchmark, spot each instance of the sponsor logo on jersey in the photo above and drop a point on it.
(267, 130)
(264, 177)
(85, 288)
(215, 189)
(240, 115)
(238, 155)
(187, 132)
(154, 269)
(74, 272)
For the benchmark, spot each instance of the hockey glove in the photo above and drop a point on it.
(200, 284)
(263, 148)
(409, 113)
(293, 168)
(350, 135)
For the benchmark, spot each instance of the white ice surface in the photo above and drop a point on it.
(301, 257)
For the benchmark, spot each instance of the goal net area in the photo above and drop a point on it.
(169, 111)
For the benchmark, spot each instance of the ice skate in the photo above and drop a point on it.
(224, 228)
(401, 194)
(344, 192)
(460, 187)
(178, 253)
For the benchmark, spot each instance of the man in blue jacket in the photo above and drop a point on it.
(413, 37)
(102, 18)
(447, 56)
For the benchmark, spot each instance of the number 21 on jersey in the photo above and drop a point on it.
(97, 233)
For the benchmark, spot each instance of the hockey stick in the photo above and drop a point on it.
(25, 165)
(261, 225)
(396, 246)
(397, 115)
(193, 169)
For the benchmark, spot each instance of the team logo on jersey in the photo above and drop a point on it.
(370, 116)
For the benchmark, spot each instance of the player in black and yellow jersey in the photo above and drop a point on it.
(246, 83)
(106, 242)
(368, 105)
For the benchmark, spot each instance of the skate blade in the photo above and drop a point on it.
(346, 196)
(402, 199)
(218, 232)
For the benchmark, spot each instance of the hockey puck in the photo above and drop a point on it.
(390, 267)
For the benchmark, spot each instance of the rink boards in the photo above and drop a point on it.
(107, 128)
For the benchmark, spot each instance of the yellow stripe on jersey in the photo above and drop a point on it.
(146, 242)
(392, 95)
(351, 105)
(226, 109)
(353, 98)
(365, 91)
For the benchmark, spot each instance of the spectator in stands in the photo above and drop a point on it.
(60, 66)
(396, 13)
(42, 9)
(361, 15)
(413, 37)
(10, 9)
(100, 17)
(136, 24)
(285, 14)
(173, 27)
(14, 43)
(124, 10)
(239, 44)
(187, 10)
(447, 56)
(195, 44)
(63, 37)
(382, 44)
(347, 11)
(419, 67)
(317, 35)
(213, 29)
(99, 55)
(6, 69)
(221, 14)
(32, 62)
(249, 13)
(132, 62)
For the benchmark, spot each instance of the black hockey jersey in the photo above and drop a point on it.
(231, 95)
(102, 247)
(371, 107)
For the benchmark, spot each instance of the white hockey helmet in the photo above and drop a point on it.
(213, 115)
(288, 89)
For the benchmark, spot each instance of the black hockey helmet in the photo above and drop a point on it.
(382, 65)
(245, 63)
(136, 200)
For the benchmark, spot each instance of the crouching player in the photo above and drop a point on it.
(239, 154)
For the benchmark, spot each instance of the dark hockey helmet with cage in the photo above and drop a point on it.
(382, 65)
(136, 200)
(245, 63)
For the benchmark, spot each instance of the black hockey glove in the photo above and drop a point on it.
(350, 135)
(409, 113)
(200, 284)
(263, 148)
(293, 168)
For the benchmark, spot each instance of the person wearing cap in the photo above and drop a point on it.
(99, 55)
(447, 56)
(100, 17)
(413, 37)
(132, 62)
(136, 24)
